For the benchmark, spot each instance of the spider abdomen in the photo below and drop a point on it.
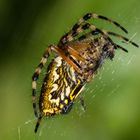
(59, 89)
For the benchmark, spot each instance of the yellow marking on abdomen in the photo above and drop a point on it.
(71, 94)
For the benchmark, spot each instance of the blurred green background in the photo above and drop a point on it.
(27, 27)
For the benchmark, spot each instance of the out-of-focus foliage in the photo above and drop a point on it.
(27, 27)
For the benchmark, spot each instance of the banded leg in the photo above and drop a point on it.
(36, 76)
(98, 31)
(38, 123)
(94, 30)
(71, 36)
(107, 33)
(84, 19)
(95, 16)
(123, 38)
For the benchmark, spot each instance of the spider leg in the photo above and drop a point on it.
(95, 31)
(98, 31)
(36, 76)
(38, 123)
(83, 20)
(107, 33)
(122, 37)
(95, 16)
(71, 36)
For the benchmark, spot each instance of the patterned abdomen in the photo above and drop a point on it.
(60, 87)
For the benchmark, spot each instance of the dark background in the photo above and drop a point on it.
(112, 99)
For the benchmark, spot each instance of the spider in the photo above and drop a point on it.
(78, 56)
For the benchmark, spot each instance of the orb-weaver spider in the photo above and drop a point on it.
(78, 56)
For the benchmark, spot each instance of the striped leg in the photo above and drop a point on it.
(106, 34)
(95, 16)
(36, 76)
(122, 37)
(71, 35)
(38, 123)
(94, 31)
(84, 19)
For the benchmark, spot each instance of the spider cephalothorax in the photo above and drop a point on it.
(78, 56)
